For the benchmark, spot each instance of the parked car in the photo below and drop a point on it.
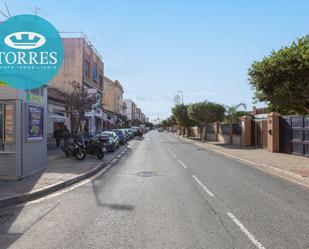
(126, 133)
(137, 131)
(122, 136)
(110, 140)
(160, 129)
(131, 133)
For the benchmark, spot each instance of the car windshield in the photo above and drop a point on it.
(107, 134)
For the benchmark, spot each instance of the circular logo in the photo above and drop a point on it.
(31, 52)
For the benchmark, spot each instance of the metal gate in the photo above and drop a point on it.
(294, 135)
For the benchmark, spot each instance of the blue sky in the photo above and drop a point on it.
(158, 47)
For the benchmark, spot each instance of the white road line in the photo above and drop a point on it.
(114, 160)
(182, 164)
(203, 186)
(244, 229)
(118, 156)
(173, 154)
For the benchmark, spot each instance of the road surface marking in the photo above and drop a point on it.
(114, 160)
(173, 154)
(244, 229)
(203, 186)
(118, 156)
(182, 164)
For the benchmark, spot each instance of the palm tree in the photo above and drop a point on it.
(233, 114)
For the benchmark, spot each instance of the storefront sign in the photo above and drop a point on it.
(35, 122)
(33, 98)
(31, 52)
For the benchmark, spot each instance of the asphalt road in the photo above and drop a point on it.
(165, 193)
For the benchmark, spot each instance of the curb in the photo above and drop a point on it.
(26, 197)
(284, 174)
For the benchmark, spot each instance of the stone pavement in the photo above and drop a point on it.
(59, 170)
(292, 167)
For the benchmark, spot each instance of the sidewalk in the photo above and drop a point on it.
(291, 167)
(59, 173)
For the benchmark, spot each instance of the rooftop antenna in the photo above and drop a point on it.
(36, 11)
(7, 9)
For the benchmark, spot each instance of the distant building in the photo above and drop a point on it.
(131, 109)
(113, 101)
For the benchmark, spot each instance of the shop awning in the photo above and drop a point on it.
(57, 118)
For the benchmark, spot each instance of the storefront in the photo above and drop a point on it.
(57, 120)
(23, 139)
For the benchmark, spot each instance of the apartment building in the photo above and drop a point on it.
(113, 103)
(131, 108)
(82, 64)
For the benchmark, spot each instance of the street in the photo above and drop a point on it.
(166, 193)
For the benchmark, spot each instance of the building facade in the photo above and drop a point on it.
(113, 103)
(131, 111)
(82, 64)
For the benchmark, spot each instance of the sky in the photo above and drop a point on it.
(158, 47)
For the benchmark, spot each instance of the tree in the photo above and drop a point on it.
(171, 121)
(232, 115)
(180, 112)
(204, 113)
(282, 78)
(149, 124)
(136, 122)
(78, 102)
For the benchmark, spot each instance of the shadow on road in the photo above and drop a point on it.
(96, 191)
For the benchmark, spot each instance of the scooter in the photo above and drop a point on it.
(94, 148)
(75, 149)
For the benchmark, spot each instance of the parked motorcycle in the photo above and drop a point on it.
(95, 148)
(75, 149)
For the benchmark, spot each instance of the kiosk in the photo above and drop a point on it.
(23, 139)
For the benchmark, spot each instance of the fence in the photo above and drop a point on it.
(286, 134)
(220, 132)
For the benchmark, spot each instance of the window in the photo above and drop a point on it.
(6, 123)
(95, 73)
(9, 123)
(87, 70)
(101, 81)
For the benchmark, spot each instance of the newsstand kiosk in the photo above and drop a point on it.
(23, 138)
